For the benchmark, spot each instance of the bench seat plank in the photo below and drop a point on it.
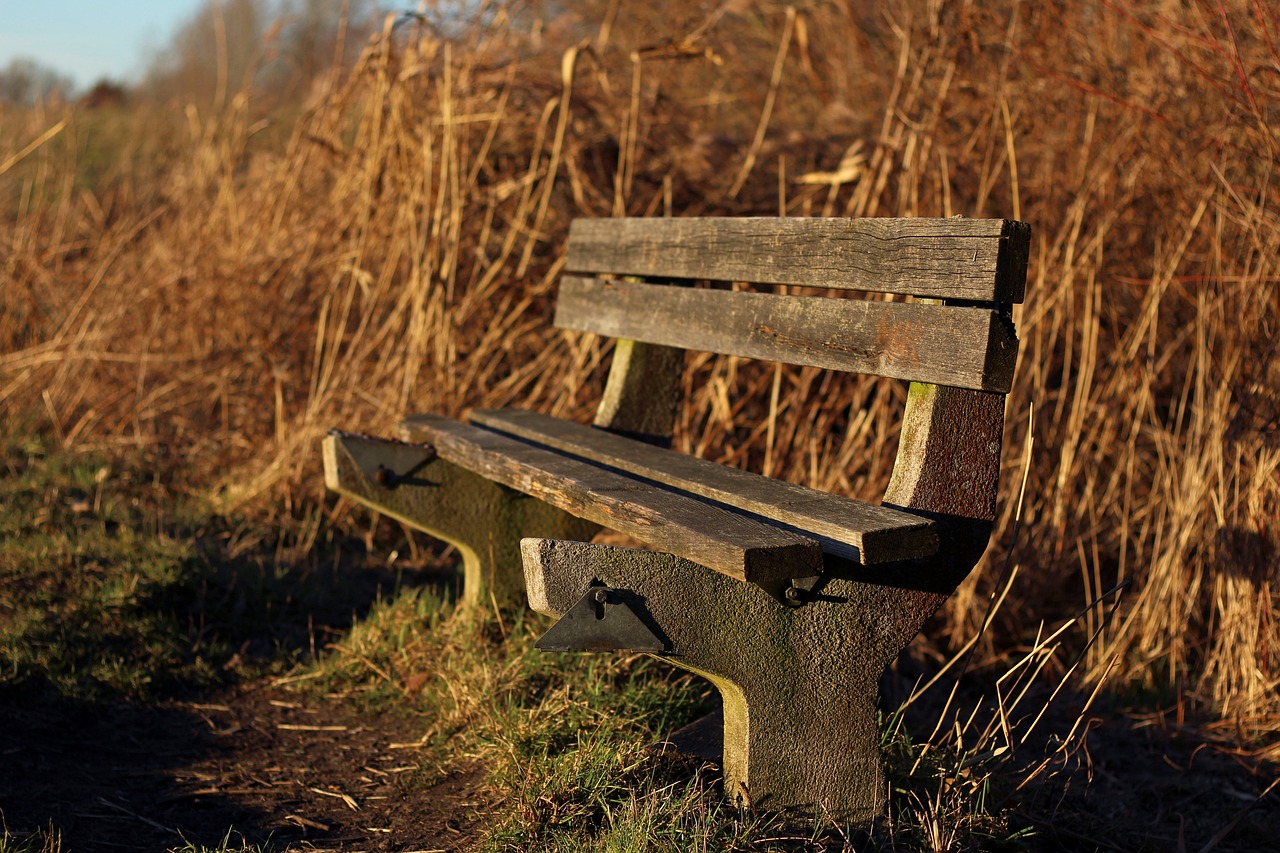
(864, 533)
(714, 537)
(983, 260)
(971, 348)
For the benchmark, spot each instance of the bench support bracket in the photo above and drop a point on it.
(799, 684)
(605, 620)
(482, 519)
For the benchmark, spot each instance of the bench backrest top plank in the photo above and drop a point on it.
(969, 259)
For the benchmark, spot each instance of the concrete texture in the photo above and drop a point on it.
(799, 684)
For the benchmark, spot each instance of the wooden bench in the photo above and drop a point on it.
(791, 601)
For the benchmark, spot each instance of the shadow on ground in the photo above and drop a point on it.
(104, 775)
(254, 767)
(1110, 778)
(211, 750)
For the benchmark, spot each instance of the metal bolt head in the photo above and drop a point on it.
(601, 595)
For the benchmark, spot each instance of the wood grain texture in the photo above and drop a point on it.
(962, 347)
(721, 540)
(972, 259)
(861, 532)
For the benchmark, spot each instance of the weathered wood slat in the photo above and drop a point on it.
(864, 533)
(976, 259)
(716, 538)
(963, 347)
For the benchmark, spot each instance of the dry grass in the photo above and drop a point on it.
(237, 287)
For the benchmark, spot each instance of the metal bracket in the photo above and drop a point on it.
(388, 462)
(605, 620)
(798, 592)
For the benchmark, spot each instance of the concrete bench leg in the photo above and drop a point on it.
(483, 520)
(799, 684)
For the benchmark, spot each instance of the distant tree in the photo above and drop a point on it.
(25, 81)
(317, 33)
(214, 53)
(277, 45)
(105, 93)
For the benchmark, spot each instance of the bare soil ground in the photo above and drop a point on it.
(256, 764)
(259, 764)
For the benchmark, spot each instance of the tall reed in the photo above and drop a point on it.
(395, 248)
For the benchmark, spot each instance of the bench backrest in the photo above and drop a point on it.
(977, 266)
(627, 278)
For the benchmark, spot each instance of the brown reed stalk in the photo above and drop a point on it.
(237, 288)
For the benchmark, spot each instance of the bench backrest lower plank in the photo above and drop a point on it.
(971, 259)
(944, 345)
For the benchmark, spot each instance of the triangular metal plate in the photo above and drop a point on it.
(603, 621)
(385, 462)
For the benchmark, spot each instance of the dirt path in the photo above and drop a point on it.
(258, 763)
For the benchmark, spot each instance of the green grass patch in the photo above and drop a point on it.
(98, 151)
(565, 740)
(563, 737)
(94, 593)
(114, 585)
(40, 841)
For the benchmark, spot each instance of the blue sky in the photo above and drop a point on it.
(89, 39)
